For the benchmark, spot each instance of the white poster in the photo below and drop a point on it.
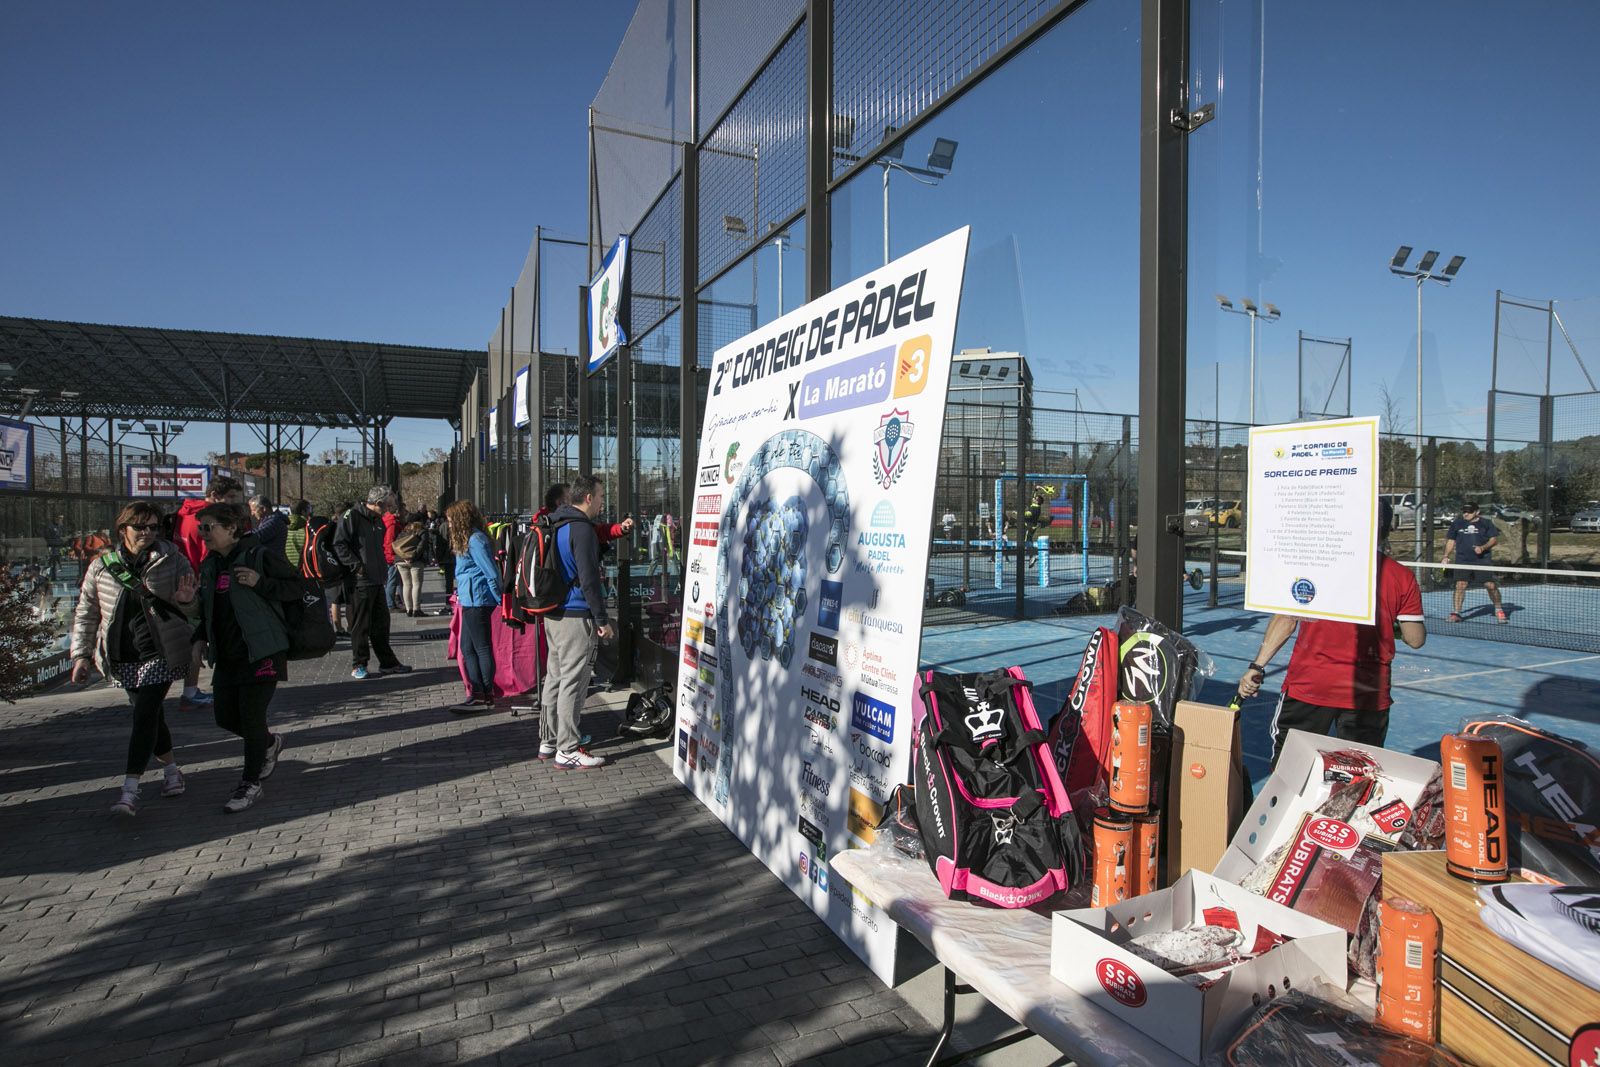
(607, 303)
(807, 552)
(494, 428)
(16, 455)
(184, 480)
(519, 406)
(1312, 530)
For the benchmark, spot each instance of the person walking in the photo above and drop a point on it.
(478, 592)
(359, 543)
(391, 576)
(242, 589)
(1338, 676)
(271, 528)
(409, 560)
(443, 558)
(127, 624)
(55, 542)
(186, 535)
(294, 541)
(1470, 539)
(572, 628)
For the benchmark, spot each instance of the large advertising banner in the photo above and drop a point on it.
(807, 553)
(1312, 534)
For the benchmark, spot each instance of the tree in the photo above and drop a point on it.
(23, 637)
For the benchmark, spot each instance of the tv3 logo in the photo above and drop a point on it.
(1124, 986)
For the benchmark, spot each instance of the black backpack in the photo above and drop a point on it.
(305, 620)
(317, 561)
(542, 584)
(649, 715)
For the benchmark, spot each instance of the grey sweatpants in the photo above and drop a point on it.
(566, 680)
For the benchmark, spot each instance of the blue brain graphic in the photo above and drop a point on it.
(772, 579)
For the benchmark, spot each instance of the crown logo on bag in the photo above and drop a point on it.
(984, 722)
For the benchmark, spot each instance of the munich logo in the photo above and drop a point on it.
(892, 439)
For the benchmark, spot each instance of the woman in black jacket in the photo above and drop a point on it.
(242, 590)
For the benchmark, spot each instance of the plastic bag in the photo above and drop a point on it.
(898, 828)
(1157, 666)
(1298, 1028)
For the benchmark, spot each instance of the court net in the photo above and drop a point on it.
(1553, 608)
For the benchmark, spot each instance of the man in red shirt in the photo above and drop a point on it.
(1338, 676)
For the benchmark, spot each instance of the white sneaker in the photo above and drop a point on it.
(127, 804)
(270, 764)
(577, 760)
(172, 783)
(244, 796)
(547, 749)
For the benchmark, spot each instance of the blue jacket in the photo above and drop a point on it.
(579, 550)
(477, 576)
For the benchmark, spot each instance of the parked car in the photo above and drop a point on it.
(1404, 507)
(1225, 513)
(1588, 519)
(1510, 514)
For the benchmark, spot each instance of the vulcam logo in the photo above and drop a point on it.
(872, 716)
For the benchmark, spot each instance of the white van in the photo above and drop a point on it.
(1404, 506)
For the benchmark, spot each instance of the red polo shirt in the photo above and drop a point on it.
(1343, 665)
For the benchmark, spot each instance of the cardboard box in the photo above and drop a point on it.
(1088, 954)
(1497, 1004)
(1206, 780)
(1297, 787)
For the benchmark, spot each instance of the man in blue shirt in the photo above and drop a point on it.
(1470, 539)
(570, 630)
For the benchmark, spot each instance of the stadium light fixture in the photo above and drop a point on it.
(734, 226)
(1257, 314)
(896, 149)
(943, 156)
(940, 160)
(1421, 273)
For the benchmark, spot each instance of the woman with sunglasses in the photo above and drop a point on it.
(241, 592)
(127, 624)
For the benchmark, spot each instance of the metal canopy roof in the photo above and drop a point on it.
(73, 368)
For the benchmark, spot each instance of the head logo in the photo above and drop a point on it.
(1124, 986)
(892, 441)
(1303, 590)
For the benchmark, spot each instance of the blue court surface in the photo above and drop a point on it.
(1434, 688)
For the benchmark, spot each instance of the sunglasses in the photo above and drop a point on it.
(207, 527)
(143, 527)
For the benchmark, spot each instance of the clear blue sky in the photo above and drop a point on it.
(375, 172)
(366, 171)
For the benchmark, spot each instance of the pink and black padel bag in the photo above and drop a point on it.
(994, 816)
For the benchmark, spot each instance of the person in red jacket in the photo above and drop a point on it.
(556, 495)
(391, 578)
(186, 534)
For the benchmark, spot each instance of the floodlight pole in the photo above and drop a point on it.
(1416, 510)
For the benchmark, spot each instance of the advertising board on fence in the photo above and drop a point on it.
(1312, 534)
(16, 455)
(184, 480)
(806, 561)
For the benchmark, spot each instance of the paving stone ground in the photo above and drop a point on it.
(414, 888)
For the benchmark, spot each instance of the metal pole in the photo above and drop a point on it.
(819, 144)
(585, 436)
(966, 515)
(1416, 512)
(689, 343)
(1216, 480)
(886, 169)
(1252, 368)
(1163, 253)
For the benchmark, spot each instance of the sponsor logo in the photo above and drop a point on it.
(891, 445)
(710, 636)
(709, 475)
(731, 464)
(707, 676)
(695, 566)
(705, 534)
(859, 906)
(1567, 824)
(876, 673)
(691, 657)
(875, 622)
(818, 741)
(809, 830)
(824, 649)
(1072, 714)
(815, 868)
(814, 781)
(815, 808)
(1303, 590)
(818, 699)
(851, 383)
(1333, 834)
(863, 816)
(852, 654)
(870, 754)
(1493, 832)
(1125, 987)
(821, 674)
(1392, 817)
(694, 751)
(707, 658)
(695, 631)
(683, 744)
(872, 716)
(935, 805)
(1145, 664)
(709, 750)
(880, 548)
(709, 504)
(828, 604)
(883, 516)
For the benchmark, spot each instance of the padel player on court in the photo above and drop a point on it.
(1338, 677)
(1470, 539)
